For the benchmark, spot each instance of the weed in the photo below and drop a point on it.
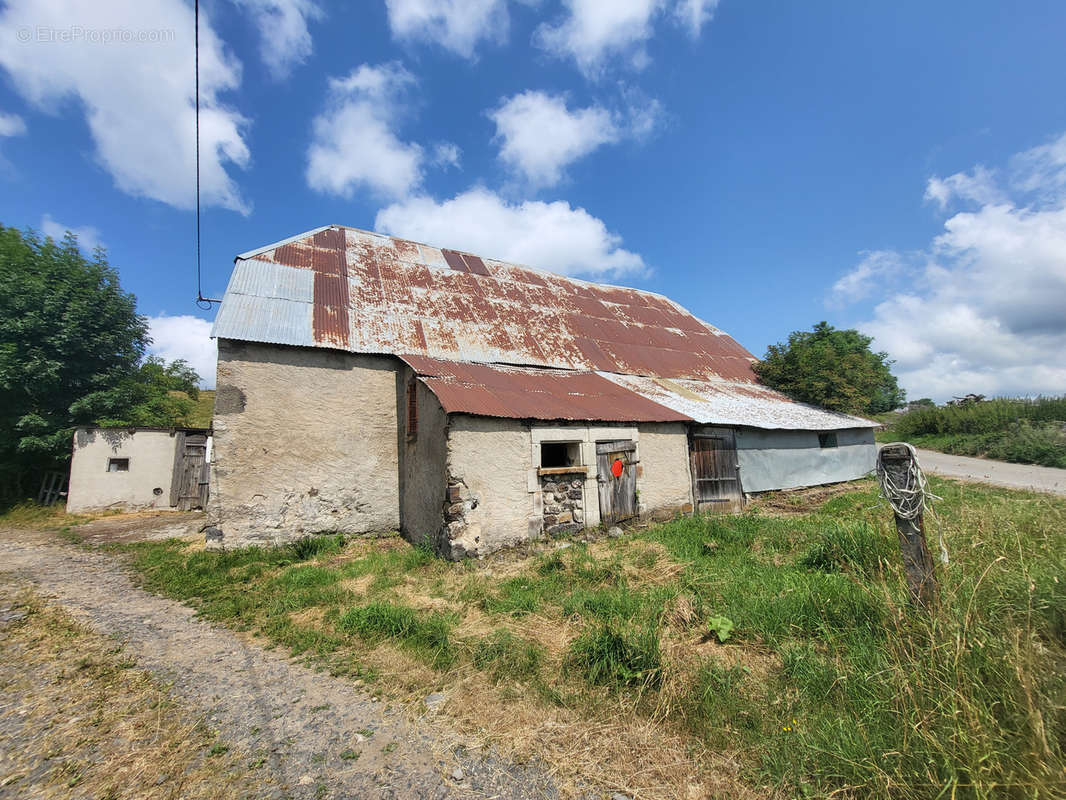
(307, 547)
(426, 635)
(505, 655)
(613, 656)
(350, 754)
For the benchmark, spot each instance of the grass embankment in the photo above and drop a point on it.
(1018, 430)
(78, 719)
(606, 661)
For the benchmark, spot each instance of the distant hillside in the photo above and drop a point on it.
(203, 411)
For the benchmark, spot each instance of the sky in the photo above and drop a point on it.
(897, 167)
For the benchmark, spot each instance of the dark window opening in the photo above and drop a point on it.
(118, 465)
(559, 454)
(827, 440)
(412, 409)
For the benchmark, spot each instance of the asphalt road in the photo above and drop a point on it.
(997, 473)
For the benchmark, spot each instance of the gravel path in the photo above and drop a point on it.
(998, 473)
(308, 726)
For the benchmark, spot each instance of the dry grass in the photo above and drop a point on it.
(77, 719)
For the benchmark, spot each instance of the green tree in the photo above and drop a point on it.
(72, 349)
(835, 369)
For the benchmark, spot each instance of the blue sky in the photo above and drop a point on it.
(898, 167)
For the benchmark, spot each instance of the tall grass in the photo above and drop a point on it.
(986, 416)
(1019, 430)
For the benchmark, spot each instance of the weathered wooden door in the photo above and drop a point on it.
(189, 486)
(616, 472)
(715, 476)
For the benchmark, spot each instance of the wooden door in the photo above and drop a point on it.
(715, 476)
(616, 472)
(189, 487)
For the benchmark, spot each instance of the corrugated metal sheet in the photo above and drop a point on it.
(378, 294)
(524, 393)
(720, 402)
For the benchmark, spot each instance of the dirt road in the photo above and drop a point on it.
(998, 473)
(321, 737)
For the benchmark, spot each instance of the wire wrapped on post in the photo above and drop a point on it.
(910, 497)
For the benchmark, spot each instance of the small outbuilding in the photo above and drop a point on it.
(369, 383)
(135, 469)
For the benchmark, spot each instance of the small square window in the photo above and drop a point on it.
(559, 454)
(827, 440)
(118, 465)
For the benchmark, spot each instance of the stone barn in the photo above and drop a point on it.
(367, 383)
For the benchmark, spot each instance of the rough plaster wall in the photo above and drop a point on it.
(665, 482)
(786, 459)
(305, 441)
(423, 477)
(151, 455)
(492, 456)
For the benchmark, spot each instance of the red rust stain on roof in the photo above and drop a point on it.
(519, 393)
(377, 295)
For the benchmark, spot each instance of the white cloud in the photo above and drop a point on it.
(353, 144)
(694, 14)
(456, 25)
(285, 40)
(12, 125)
(875, 268)
(539, 136)
(979, 186)
(187, 337)
(88, 236)
(986, 313)
(593, 31)
(137, 96)
(552, 236)
(447, 154)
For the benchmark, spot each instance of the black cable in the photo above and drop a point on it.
(201, 301)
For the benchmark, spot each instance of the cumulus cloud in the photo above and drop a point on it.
(986, 311)
(186, 337)
(353, 144)
(285, 41)
(539, 135)
(137, 97)
(456, 25)
(552, 236)
(592, 31)
(88, 236)
(12, 125)
(874, 269)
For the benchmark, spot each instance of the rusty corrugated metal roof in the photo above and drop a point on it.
(721, 402)
(370, 293)
(534, 393)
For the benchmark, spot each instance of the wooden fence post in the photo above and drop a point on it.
(900, 486)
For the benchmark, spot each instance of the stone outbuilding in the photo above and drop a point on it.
(368, 383)
(135, 469)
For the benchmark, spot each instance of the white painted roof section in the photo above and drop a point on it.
(736, 404)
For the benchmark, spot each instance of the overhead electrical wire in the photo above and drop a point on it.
(201, 301)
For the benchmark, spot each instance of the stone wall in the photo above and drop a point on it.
(563, 499)
(305, 442)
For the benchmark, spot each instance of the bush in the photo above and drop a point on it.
(609, 655)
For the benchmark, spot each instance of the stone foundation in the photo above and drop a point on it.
(458, 537)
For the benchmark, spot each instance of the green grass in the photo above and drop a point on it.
(828, 685)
